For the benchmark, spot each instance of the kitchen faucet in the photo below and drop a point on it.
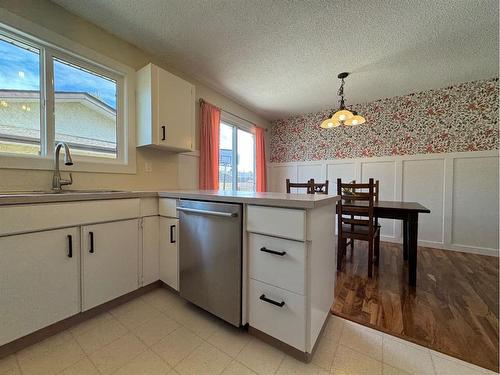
(57, 181)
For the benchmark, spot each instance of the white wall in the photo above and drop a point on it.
(460, 189)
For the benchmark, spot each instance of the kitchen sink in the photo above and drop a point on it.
(51, 192)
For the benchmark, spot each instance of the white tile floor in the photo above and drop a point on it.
(160, 334)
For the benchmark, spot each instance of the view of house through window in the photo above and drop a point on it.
(85, 97)
(236, 159)
(19, 98)
(85, 110)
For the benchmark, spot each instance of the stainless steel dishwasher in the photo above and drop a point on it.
(210, 238)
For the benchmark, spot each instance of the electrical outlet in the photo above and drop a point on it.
(148, 167)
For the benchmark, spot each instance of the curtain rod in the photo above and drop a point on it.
(232, 114)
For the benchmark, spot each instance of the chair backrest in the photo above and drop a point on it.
(354, 192)
(309, 186)
(320, 187)
(376, 190)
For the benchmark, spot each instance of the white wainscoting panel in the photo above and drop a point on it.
(279, 175)
(461, 190)
(423, 182)
(385, 172)
(344, 171)
(316, 171)
(475, 202)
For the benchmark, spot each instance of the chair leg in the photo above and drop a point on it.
(370, 258)
(352, 248)
(377, 249)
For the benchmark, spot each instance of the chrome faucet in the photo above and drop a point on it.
(57, 181)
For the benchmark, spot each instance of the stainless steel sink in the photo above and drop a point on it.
(51, 192)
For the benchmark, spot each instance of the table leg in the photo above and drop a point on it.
(405, 240)
(412, 248)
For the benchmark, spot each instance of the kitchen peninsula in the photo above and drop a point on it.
(287, 257)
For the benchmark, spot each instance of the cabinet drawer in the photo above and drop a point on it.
(168, 207)
(286, 323)
(281, 222)
(286, 271)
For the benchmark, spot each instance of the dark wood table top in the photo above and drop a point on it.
(391, 205)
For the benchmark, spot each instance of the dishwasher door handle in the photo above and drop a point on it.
(207, 212)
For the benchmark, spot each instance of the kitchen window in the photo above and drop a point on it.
(236, 158)
(48, 95)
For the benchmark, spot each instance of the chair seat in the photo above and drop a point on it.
(358, 229)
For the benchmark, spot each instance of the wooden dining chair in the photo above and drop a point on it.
(364, 226)
(309, 186)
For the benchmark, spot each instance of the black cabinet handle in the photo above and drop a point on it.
(91, 234)
(163, 131)
(280, 253)
(271, 301)
(172, 239)
(70, 246)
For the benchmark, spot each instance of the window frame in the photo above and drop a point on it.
(238, 124)
(52, 45)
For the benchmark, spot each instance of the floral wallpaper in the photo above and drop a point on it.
(458, 118)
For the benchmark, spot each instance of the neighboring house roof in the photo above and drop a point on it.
(62, 96)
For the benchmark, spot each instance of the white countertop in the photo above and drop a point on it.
(263, 199)
(248, 197)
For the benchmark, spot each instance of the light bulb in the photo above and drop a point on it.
(330, 124)
(342, 117)
(355, 122)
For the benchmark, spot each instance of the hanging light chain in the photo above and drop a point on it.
(340, 93)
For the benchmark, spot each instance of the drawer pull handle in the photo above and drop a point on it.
(91, 234)
(70, 246)
(272, 302)
(280, 253)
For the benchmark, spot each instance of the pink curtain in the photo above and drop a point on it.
(209, 146)
(260, 162)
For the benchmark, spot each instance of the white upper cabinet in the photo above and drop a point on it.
(165, 110)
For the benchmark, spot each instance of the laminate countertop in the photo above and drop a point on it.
(263, 199)
(248, 197)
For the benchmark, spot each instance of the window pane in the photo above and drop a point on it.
(226, 157)
(19, 98)
(85, 110)
(246, 161)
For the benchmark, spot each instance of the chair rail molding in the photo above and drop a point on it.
(461, 189)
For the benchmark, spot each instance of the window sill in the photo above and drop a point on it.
(39, 163)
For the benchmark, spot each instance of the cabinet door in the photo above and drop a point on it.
(169, 252)
(150, 249)
(175, 105)
(110, 261)
(39, 281)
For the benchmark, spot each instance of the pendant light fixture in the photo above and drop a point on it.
(343, 115)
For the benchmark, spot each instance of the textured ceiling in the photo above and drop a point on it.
(281, 57)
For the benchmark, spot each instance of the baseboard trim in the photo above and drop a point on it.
(450, 247)
(42, 334)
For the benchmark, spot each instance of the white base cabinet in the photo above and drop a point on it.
(110, 261)
(39, 280)
(169, 252)
(150, 249)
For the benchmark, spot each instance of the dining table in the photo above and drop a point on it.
(408, 213)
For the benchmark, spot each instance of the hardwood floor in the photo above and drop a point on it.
(453, 309)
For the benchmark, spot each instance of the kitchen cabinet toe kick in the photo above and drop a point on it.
(302, 356)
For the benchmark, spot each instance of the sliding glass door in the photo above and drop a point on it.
(236, 159)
